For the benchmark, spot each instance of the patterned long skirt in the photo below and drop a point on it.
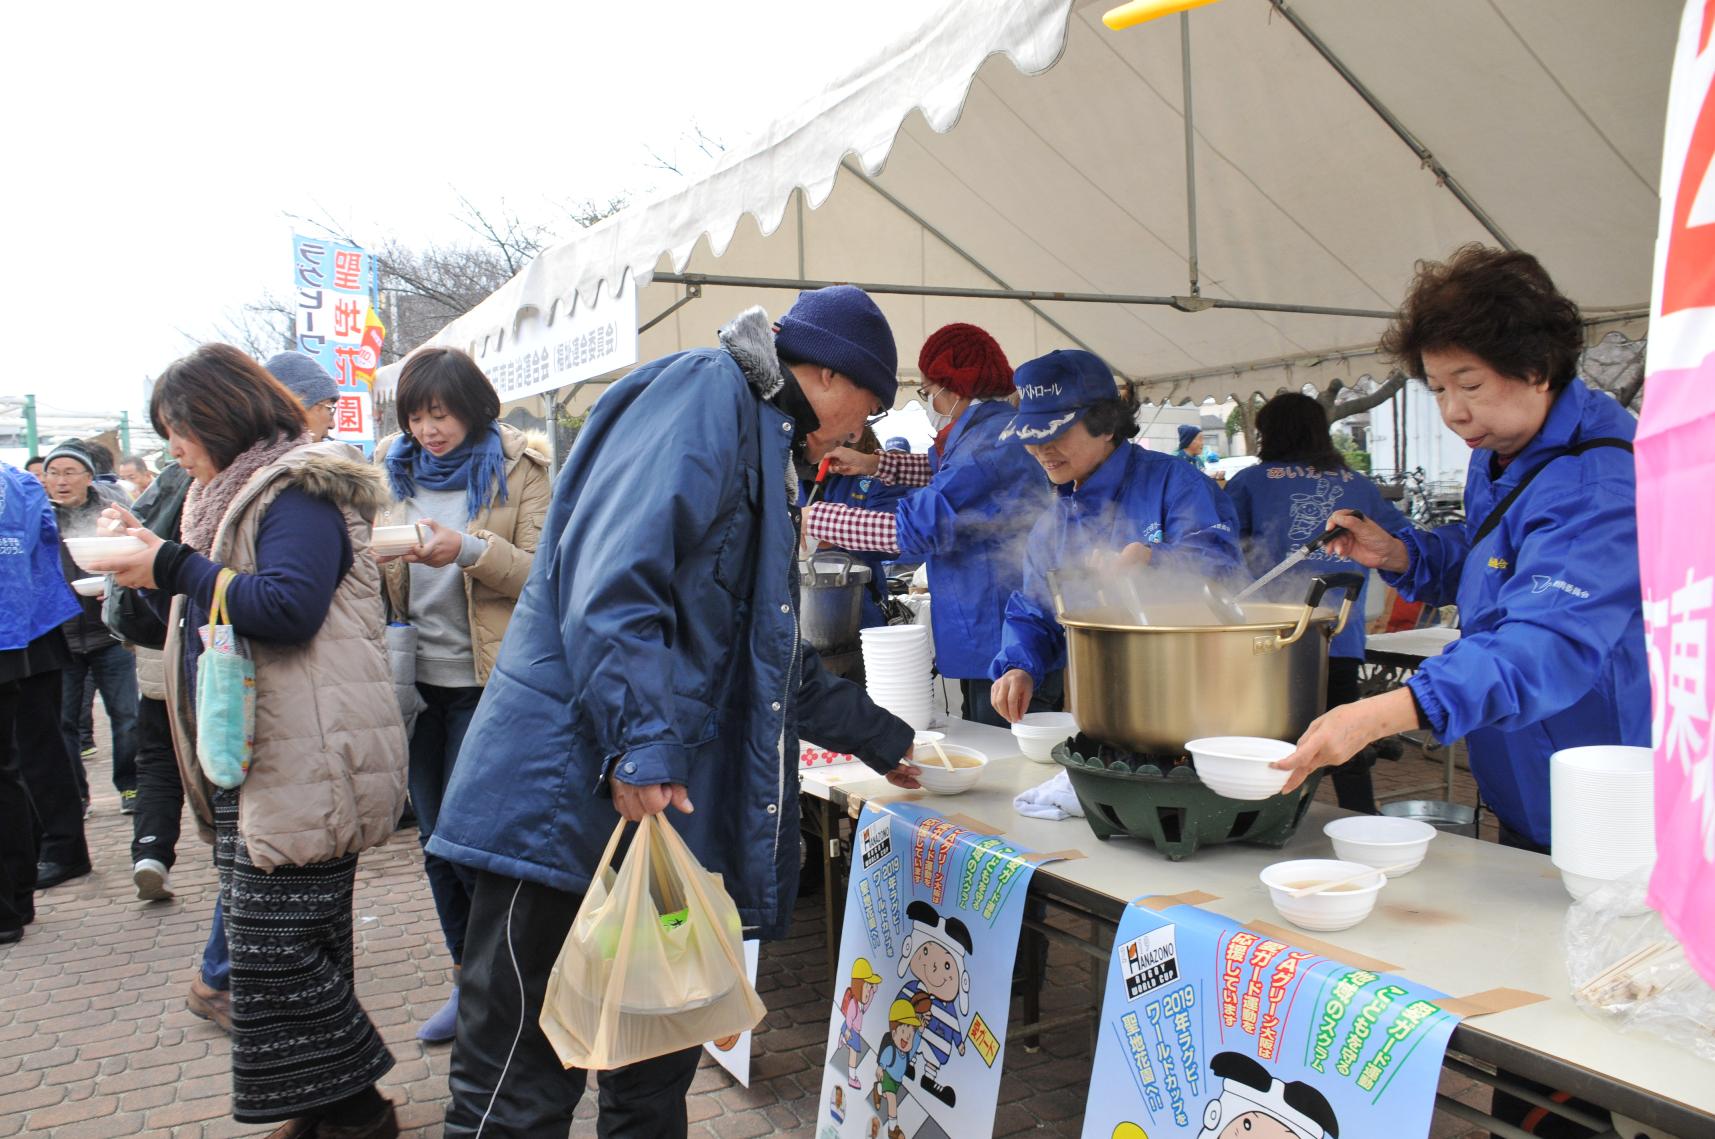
(300, 1040)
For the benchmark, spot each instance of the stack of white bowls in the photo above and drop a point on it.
(1602, 800)
(896, 663)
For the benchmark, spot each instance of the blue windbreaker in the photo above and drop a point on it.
(1551, 654)
(1281, 506)
(1134, 496)
(656, 640)
(34, 596)
(970, 524)
(864, 492)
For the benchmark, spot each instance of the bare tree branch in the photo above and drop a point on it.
(1339, 409)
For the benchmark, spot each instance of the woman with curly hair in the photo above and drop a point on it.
(1544, 568)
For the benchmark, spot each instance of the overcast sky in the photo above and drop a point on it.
(154, 152)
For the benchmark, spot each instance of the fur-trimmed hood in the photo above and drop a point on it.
(329, 471)
(749, 338)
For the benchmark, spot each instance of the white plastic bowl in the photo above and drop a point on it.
(1238, 766)
(1381, 841)
(938, 779)
(86, 550)
(90, 586)
(1340, 908)
(1039, 733)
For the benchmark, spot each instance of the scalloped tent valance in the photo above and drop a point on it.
(1024, 149)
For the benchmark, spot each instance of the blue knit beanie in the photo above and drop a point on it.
(839, 327)
(1188, 432)
(303, 376)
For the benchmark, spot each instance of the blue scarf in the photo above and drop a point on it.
(476, 465)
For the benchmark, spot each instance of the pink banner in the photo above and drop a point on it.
(1676, 469)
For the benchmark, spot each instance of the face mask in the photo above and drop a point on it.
(937, 420)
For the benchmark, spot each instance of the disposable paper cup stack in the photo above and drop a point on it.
(896, 671)
(1602, 803)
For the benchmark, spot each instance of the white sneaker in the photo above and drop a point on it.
(151, 879)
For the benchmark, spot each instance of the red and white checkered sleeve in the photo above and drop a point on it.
(903, 468)
(850, 528)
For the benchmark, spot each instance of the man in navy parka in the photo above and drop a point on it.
(653, 660)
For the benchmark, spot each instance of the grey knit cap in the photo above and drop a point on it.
(304, 375)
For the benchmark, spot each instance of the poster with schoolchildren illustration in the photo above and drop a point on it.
(1212, 1031)
(917, 1032)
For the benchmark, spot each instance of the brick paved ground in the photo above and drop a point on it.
(95, 1041)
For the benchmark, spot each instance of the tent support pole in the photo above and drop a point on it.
(1190, 155)
(1424, 154)
(858, 173)
(1027, 295)
(692, 292)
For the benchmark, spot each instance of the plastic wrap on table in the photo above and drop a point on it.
(1626, 968)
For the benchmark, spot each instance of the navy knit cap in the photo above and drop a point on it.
(304, 376)
(839, 327)
(1188, 432)
(1054, 391)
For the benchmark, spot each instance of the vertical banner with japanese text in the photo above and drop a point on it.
(917, 1034)
(1675, 449)
(1211, 1030)
(333, 289)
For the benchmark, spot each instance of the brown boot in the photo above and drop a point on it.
(383, 1126)
(216, 1006)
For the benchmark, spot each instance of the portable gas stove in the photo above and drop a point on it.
(1159, 798)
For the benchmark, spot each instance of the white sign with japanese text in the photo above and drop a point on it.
(591, 341)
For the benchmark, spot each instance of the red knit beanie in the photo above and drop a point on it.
(966, 361)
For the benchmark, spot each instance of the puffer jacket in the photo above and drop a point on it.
(657, 641)
(327, 775)
(510, 528)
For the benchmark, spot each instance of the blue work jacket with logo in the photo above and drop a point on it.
(34, 596)
(1281, 506)
(656, 641)
(970, 524)
(1551, 653)
(1134, 496)
(864, 492)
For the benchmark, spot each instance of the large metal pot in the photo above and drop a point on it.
(1153, 687)
(830, 608)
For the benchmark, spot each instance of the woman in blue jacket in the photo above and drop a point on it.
(1112, 498)
(1544, 568)
(968, 521)
(1284, 502)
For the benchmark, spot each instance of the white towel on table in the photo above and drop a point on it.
(1054, 800)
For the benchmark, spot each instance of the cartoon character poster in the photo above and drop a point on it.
(917, 1034)
(733, 1052)
(1212, 1031)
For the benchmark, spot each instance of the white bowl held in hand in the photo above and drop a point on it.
(1039, 733)
(393, 541)
(90, 586)
(91, 553)
(1382, 841)
(968, 765)
(1238, 766)
(1340, 908)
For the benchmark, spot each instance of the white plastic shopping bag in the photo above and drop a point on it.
(654, 962)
